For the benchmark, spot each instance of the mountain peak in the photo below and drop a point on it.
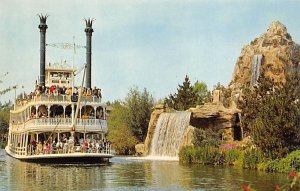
(277, 28)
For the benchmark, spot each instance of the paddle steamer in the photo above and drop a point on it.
(59, 122)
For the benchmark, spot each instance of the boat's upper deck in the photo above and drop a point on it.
(51, 99)
(54, 105)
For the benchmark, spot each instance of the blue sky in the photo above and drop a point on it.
(150, 44)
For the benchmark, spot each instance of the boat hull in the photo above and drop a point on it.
(69, 158)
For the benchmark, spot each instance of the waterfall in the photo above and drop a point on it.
(169, 133)
(256, 63)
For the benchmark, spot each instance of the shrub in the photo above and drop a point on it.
(248, 158)
(185, 154)
(232, 155)
(206, 137)
(252, 157)
(290, 163)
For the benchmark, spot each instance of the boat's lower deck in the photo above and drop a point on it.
(63, 158)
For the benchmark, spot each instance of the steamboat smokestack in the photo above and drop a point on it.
(88, 30)
(43, 27)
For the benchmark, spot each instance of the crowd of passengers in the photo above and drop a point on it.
(56, 90)
(68, 145)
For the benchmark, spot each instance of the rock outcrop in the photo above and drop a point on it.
(215, 116)
(278, 53)
(158, 109)
(211, 115)
(139, 149)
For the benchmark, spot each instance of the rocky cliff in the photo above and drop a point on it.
(278, 52)
(158, 109)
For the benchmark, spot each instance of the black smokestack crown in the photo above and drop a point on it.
(89, 30)
(43, 27)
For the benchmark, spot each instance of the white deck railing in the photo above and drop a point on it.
(105, 149)
(67, 122)
(58, 98)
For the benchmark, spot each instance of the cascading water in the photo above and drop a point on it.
(256, 64)
(169, 133)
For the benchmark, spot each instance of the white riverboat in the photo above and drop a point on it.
(59, 122)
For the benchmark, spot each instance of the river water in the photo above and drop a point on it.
(129, 173)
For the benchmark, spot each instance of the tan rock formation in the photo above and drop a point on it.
(216, 117)
(139, 149)
(188, 136)
(210, 115)
(278, 51)
(158, 109)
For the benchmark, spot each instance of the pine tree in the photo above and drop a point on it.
(270, 114)
(185, 97)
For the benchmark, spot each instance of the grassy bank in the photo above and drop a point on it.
(242, 158)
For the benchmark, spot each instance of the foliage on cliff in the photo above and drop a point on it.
(187, 95)
(270, 114)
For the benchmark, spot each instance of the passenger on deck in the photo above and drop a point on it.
(95, 91)
(99, 93)
(89, 92)
(48, 149)
(66, 147)
(39, 148)
(44, 147)
(69, 91)
(51, 89)
(71, 145)
(54, 148)
(33, 144)
(59, 146)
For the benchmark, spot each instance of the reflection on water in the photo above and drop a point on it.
(129, 174)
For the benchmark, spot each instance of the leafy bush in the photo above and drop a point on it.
(206, 137)
(119, 133)
(232, 155)
(185, 154)
(252, 157)
(290, 163)
(248, 158)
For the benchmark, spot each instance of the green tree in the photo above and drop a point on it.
(4, 119)
(185, 97)
(119, 133)
(200, 89)
(226, 94)
(139, 107)
(270, 112)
